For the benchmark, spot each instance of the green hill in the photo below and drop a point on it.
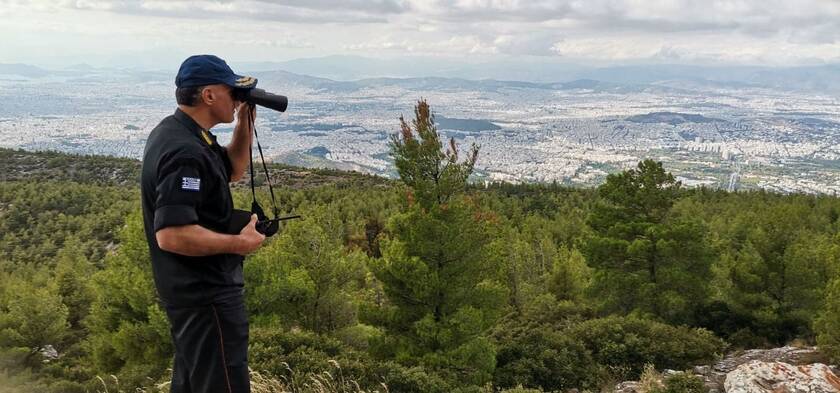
(537, 285)
(21, 165)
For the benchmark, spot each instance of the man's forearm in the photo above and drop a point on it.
(238, 148)
(195, 241)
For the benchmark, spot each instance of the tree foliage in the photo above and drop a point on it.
(431, 284)
(305, 277)
(647, 260)
(129, 332)
(433, 174)
(31, 319)
(434, 268)
(828, 324)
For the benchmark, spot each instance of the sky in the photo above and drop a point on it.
(160, 34)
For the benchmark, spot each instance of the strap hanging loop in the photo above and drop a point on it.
(266, 226)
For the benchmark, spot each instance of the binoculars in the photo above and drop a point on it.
(262, 98)
(240, 218)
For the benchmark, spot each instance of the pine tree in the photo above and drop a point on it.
(774, 272)
(434, 175)
(304, 277)
(129, 332)
(646, 259)
(433, 269)
(570, 276)
(828, 324)
(31, 317)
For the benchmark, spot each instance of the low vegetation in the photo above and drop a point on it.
(429, 284)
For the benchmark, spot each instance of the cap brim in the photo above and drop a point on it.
(243, 82)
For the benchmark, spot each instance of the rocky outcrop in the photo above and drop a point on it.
(714, 376)
(788, 354)
(778, 377)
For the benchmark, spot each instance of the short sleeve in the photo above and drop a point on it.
(179, 191)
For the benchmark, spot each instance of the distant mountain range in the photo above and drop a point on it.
(24, 70)
(289, 79)
(354, 68)
(348, 73)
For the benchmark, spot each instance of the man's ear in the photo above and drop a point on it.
(208, 96)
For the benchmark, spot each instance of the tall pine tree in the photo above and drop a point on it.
(647, 260)
(438, 282)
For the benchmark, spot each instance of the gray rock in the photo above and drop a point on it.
(49, 353)
(701, 370)
(788, 354)
(714, 376)
(771, 377)
(627, 387)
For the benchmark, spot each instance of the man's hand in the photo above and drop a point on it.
(244, 113)
(195, 240)
(250, 240)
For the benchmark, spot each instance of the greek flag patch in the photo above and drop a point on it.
(190, 183)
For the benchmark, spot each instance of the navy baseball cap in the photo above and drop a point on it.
(200, 70)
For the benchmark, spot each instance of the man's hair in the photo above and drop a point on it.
(189, 96)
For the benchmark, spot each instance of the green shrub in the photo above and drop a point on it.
(278, 351)
(625, 344)
(828, 323)
(296, 356)
(417, 379)
(681, 383)
(542, 357)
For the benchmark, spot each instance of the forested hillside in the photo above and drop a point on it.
(427, 284)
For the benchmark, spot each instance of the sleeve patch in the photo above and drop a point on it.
(190, 183)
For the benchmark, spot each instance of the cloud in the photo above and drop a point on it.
(294, 11)
(616, 30)
(493, 10)
(654, 16)
(752, 17)
(533, 44)
(455, 45)
(604, 48)
(366, 6)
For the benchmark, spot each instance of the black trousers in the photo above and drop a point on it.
(211, 348)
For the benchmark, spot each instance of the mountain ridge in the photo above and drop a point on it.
(341, 69)
(18, 165)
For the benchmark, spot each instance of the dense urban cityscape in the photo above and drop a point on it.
(708, 134)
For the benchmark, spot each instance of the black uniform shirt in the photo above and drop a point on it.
(185, 181)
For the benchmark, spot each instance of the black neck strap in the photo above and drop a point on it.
(265, 168)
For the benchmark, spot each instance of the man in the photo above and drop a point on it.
(187, 211)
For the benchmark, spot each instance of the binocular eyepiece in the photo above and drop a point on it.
(262, 98)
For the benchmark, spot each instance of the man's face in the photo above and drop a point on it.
(221, 102)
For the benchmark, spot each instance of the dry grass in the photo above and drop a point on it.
(330, 381)
(650, 380)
